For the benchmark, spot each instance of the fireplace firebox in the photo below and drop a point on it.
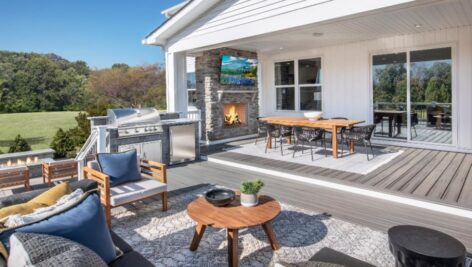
(235, 114)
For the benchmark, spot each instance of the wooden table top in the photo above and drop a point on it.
(305, 122)
(233, 216)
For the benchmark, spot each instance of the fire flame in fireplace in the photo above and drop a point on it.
(232, 117)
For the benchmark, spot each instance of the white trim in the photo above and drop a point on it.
(354, 190)
(222, 141)
(422, 145)
(186, 15)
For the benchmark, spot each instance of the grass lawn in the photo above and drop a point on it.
(38, 128)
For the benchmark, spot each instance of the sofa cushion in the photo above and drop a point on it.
(120, 243)
(83, 223)
(133, 191)
(28, 249)
(120, 167)
(45, 199)
(131, 258)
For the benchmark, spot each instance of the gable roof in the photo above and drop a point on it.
(184, 14)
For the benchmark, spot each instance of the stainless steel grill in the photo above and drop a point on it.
(134, 121)
(128, 117)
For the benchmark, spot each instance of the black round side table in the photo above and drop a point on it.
(419, 246)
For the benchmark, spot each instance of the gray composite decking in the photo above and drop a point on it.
(437, 176)
(374, 213)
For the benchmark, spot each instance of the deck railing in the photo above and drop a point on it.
(196, 114)
(97, 142)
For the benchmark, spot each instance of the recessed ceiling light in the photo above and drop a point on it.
(418, 25)
(317, 34)
(280, 48)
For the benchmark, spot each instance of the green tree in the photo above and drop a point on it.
(19, 145)
(62, 143)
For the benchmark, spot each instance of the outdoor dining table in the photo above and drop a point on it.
(328, 124)
(391, 114)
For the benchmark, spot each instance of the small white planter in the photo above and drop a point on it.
(249, 200)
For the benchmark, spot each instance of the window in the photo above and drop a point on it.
(191, 89)
(285, 85)
(418, 109)
(303, 93)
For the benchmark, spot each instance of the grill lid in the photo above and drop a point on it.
(126, 117)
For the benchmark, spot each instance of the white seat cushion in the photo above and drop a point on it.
(133, 191)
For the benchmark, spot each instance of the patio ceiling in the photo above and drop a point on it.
(423, 17)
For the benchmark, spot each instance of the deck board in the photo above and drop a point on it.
(423, 174)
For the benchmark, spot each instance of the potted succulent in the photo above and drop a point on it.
(249, 190)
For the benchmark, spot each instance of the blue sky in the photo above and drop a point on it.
(100, 32)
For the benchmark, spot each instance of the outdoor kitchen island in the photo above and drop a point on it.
(161, 137)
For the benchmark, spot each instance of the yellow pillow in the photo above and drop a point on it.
(45, 199)
(51, 196)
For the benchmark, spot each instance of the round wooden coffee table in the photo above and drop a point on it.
(233, 217)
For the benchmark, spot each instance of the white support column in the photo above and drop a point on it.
(176, 83)
(102, 139)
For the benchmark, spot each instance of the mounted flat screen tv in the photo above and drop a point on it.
(238, 70)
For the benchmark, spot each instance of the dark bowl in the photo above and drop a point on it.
(220, 197)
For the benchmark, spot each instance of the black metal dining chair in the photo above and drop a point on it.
(277, 132)
(359, 135)
(261, 130)
(309, 136)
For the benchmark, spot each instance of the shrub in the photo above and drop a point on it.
(62, 143)
(19, 145)
(251, 187)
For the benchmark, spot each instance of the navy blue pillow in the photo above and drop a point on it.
(120, 167)
(83, 223)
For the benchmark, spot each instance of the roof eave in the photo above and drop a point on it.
(187, 14)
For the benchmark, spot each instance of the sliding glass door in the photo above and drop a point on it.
(390, 95)
(412, 94)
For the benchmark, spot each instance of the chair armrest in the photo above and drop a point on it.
(103, 181)
(155, 169)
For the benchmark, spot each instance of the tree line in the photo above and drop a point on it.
(31, 82)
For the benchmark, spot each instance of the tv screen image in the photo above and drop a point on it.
(238, 70)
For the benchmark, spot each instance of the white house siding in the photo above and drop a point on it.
(237, 19)
(347, 76)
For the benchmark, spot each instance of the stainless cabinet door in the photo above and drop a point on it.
(182, 143)
(152, 151)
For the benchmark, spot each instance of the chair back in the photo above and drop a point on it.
(261, 126)
(308, 134)
(368, 131)
(273, 130)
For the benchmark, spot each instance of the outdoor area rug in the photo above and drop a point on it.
(164, 237)
(355, 163)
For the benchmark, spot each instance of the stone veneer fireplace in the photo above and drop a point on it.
(228, 111)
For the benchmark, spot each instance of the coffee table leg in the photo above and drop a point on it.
(271, 235)
(233, 257)
(199, 230)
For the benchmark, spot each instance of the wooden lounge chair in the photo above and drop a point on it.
(153, 182)
(15, 176)
(59, 169)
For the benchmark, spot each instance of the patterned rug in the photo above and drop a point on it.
(164, 237)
